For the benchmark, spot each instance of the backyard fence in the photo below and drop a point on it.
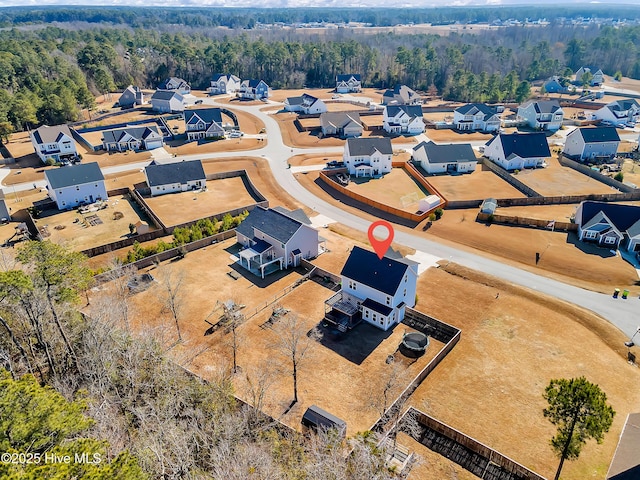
(596, 175)
(526, 222)
(481, 460)
(509, 178)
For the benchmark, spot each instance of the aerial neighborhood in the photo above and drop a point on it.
(323, 248)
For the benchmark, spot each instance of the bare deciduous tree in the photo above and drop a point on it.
(172, 283)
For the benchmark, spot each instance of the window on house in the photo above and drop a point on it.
(77, 188)
(590, 234)
(610, 240)
(375, 317)
(404, 294)
(366, 314)
(388, 300)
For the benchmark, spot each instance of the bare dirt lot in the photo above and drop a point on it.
(221, 195)
(76, 231)
(480, 184)
(511, 347)
(556, 179)
(179, 147)
(449, 135)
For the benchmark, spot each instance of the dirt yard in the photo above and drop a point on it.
(480, 184)
(221, 195)
(76, 231)
(396, 189)
(511, 347)
(559, 180)
(180, 147)
(449, 135)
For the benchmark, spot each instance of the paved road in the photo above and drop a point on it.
(622, 313)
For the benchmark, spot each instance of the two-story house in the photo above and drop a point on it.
(609, 224)
(175, 84)
(203, 123)
(452, 158)
(75, 185)
(54, 142)
(348, 83)
(368, 157)
(476, 116)
(619, 112)
(403, 119)
(592, 143)
(401, 95)
(224, 83)
(131, 138)
(343, 124)
(515, 151)
(254, 89)
(131, 97)
(374, 290)
(542, 114)
(175, 177)
(167, 101)
(597, 78)
(555, 84)
(307, 104)
(274, 238)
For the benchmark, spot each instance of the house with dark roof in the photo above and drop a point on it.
(515, 151)
(5, 211)
(175, 177)
(342, 124)
(555, 84)
(591, 143)
(400, 95)
(175, 84)
(403, 119)
(619, 112)
(625, 464)
(131, 138)
(450, 158)
(224, 83)
(75, 185)
(307, 104)
(131, 97)
(348, 83)
(542, 114)
(476, 117)
(275, 239)
(609, 224)
(54, 142)
(203, 123)
(374, 290)
(368, 157)
(254, 89)
(597, 76)
(167, 101)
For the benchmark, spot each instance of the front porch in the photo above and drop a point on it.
(260, 259)
(343, 311)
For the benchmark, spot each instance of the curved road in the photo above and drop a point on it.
(622, 313)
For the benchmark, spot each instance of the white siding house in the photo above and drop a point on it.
(516, 151)
(609, 224)
(453, 158)
(542, 114)
(403, 119)
(175, 84)
(167, 101)
(367, 157)
(53, 142)
(131, 97)
(276, 239)
(343, 124)
(203, 123)
(401, 95)
(75, 185)
(348, 83)
(374, 290)
(592, 142)
(476, 116)
(254, 89)
(132, 138)
(224, 84)
(307, 104)
(619, 112)
(598, 76)
(175, 177)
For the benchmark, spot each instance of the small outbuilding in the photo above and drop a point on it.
(489, 206)
(428, 203)
(316, 418)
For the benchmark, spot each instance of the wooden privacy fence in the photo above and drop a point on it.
(509, 178)
(596, 175)
(482, 461)
(527, 222)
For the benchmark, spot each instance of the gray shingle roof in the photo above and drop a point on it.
(297, 214)
(367, 146)
(377, 307)
(173, 83)
(620, 108)
(176, 172)
(339, 119)
(401, 92)
(412, 111)
(542, 106)
(626, 461)
(139, 133)
(599, 134)
(295, 100)
(345, 77)
(524, 145)
(47, 134)
(622, 216)
(74, 175)
(365, 267)
(447, 153)
(166, 95)
(271, 222)
(207, 115)
(226, 76)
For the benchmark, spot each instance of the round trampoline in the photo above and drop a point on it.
(414, 344)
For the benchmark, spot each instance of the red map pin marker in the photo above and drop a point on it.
(381, 246)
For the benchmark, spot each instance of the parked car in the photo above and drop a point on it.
(198, 102)
(235, 134)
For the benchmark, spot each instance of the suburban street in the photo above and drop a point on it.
(622, 313)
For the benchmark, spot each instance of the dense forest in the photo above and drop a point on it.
(47, 73)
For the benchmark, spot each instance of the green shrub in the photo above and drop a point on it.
(619, 177)
(432, 217)
(438, 212)
(490, 218)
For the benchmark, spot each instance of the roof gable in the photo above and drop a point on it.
(207, 115)
(271, 222)
(369, 145)
(597, 134)
(620, 215)
(524, 145)
(447, 153)
(53, 134)
(365, 267)
(176, 172)
(167, 95)
(74, 175)
(340, 119)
